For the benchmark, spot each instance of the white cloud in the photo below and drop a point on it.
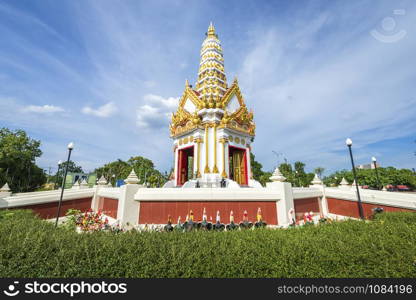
(103, 111)
(43, 109)
(155, 113)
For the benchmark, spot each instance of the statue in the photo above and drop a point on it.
(169, 226)
(259, 217)
(245, 224)
(232, 225)
(204, 225)
(218, 226)
(179, 226)
(291, 215)
(223, 183)
(189, 224)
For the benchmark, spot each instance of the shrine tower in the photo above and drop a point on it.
(212, 129)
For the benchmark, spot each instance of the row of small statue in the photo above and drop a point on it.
(190, 225)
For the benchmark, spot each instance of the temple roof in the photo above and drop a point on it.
(212, 92)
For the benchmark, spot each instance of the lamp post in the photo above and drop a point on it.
(57, 173)
(375, 168)
(114, 179)
(360, 206)
(70, 148)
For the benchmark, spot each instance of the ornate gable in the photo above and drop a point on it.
(186, 117)
(236, 115)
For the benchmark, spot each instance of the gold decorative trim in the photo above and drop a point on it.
(198, 142)
(223, 141)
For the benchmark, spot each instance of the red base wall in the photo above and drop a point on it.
(156, 212)
(49, 210)
(350, 208)
(108, 206)
(306, 205)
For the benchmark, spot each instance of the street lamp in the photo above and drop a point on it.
(375, 168)
(70, 148)
(57, 173)
(114, 179)
(360, 206)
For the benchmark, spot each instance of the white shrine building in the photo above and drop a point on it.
(212, 129)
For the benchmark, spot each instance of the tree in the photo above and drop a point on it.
(368, 177)
(143, 167)
(256, 167)
(18, 153)
(319, 171)
(72, 168)
(297, 175)
(119, 168)
(257, 170)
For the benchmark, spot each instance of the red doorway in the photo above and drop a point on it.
(237, 158)
(185, 164)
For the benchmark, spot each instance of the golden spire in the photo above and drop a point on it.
(211, 30)
(211, 77)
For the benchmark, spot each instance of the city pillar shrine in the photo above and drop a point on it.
(212, 129)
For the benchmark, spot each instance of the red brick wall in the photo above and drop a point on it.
(350, 208)
(108, 206)
(306, 205)
(156, 212)
(49, 210)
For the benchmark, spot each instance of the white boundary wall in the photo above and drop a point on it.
(282, 193)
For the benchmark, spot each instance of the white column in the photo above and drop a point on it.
(128, 208)
(285, 203)
(323, 203)
(95, 203)
(175, 167)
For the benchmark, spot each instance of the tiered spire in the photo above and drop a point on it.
(212, 82)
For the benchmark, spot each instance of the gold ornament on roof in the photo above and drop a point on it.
(212, 91)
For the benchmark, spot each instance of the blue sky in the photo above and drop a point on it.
(106, 75)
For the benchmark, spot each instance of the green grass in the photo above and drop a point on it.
(385, 247)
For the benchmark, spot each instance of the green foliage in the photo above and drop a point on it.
(59, 175)
(17, 161)
(256, 167)
(258, 173)
(296, 175)
(319, 171)
(368, 177)
(143, 167)
(385, 247)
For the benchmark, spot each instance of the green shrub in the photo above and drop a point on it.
(385, 247)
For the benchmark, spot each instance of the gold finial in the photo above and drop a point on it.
(211, 30)
(186, 83)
